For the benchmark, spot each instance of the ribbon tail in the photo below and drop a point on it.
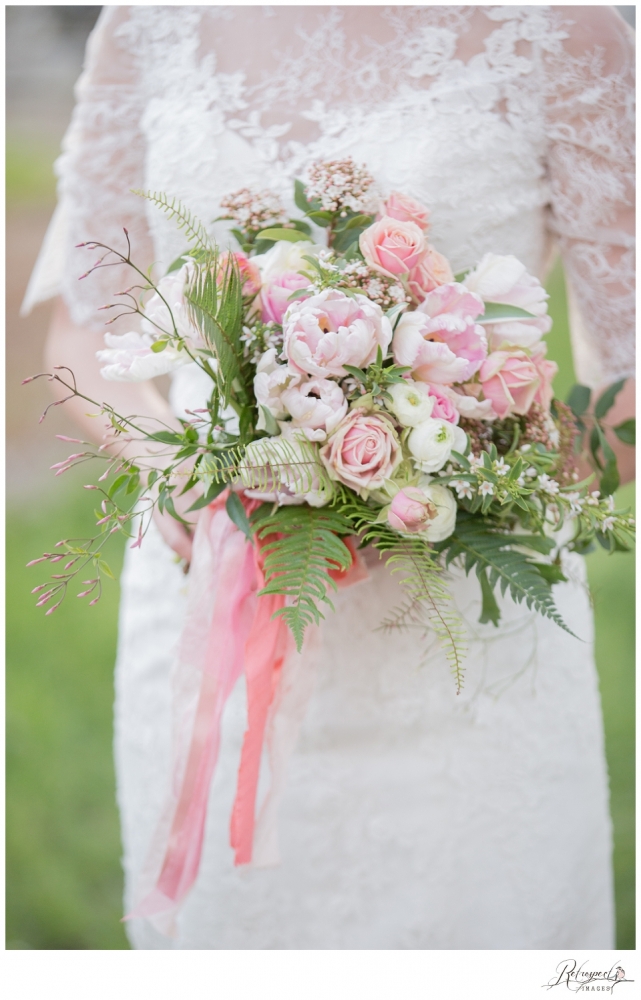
(265, 652)
(210, 662)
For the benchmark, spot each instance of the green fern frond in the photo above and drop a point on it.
(301, 550)
(498, 555)
(185, 220)
(269, 464)
(217, 313)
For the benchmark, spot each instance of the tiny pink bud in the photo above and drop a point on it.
(64, 437)
(90, 486)
(30, 379)
(103, 520)
(34, 561)
(52, 609)
(95, 601)
(45, 597)
(84, 593)
(36, 590)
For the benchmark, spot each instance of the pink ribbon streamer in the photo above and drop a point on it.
(228, 629)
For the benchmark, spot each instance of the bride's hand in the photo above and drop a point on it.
(176, 535)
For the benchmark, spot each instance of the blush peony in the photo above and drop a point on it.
(393, 247)
(274, 295)
(331, 329)
(440, 340)
(363, 451)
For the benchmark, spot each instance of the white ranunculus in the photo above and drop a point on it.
(270, 381)
(443, 524)
(129, 358)
(411, 402)
(284, 257)
(431, 443)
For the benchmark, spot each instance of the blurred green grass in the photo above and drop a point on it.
(63, 873)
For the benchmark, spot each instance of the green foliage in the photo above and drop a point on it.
(498, 312)
(578, 399)
(302, 546)
(498, 555)
(626, 431)
(217, 312)
(291, 235)
(605, 402)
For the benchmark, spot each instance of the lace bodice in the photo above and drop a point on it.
(515, 124)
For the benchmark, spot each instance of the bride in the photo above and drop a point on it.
(411, 818)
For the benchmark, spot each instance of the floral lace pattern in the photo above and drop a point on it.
(411, 819)
(515, 124)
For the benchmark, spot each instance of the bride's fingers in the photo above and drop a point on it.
(175, 535)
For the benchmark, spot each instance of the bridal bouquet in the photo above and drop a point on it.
(359, 394)
(357, 389)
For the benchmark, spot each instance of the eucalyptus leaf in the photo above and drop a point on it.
(158, 346)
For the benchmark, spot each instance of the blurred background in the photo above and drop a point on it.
(64, 882)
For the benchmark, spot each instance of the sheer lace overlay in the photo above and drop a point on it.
(411, 818)
(515, 124)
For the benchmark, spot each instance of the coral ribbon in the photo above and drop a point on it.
(228, 630)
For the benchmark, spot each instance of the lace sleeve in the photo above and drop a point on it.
(102, 160)
(590, 130)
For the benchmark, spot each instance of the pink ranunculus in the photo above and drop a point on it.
(405, 209)
(249, 273)
(547, 370)
(443, 408)
(393, 247)
(440, 340)
(317, 406)
(331, 329)
(363, 451)
(274, 297)
(434, 270)
(410, 510)
(510, 381)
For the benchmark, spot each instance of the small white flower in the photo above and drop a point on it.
(521, 480)
(576, 502)
(525, 448)
(531, 472)
(593, 499)
(486, 489)
(610, 502)
(476, 462)
(501, 467)
(548, 485)
(608, 523)
(463, 488)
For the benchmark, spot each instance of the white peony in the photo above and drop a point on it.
(443, 524)
(411, 402)
(270, 381)
(172, 289)
(285, 257)
(431, 443)
(129, 358)
(506, 280)
(317, 406)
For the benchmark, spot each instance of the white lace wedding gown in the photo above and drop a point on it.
(412, 818)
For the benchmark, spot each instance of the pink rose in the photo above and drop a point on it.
(274, 297)
(410, 510)
(546, 370)
(363, 452)
(393, 247)
(443, 408)
(317, 406)
(405, 209)
(432, 271)
(440, 340)
(510, 381)
(331, 329)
